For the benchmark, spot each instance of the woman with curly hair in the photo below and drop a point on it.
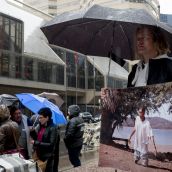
(154, 66)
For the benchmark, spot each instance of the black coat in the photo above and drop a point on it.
(46, 147)
(160, 71)
(74, 132)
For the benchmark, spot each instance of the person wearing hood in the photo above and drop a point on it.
(74, 135)
(44, 138)
(9, 132)
(155, 66)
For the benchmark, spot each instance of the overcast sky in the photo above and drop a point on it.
(165, 6)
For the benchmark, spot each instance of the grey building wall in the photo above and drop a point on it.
(167, 18)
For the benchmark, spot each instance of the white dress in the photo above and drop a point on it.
(142, 135)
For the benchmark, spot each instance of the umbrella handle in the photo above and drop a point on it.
(35, 120)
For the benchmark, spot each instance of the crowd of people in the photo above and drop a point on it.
(17, 134)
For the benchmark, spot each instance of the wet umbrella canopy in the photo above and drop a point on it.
(101, 30)
(8, 99)
(53, 97)
(35, 103)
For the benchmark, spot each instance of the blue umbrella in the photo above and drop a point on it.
(35, 103)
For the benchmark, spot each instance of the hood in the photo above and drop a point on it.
(73, 110)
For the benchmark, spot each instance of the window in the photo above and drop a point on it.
(10, 34)
(90, 70)
(13, 34)
(99, 81)
(44, 72)
(18, 67)
(116, 83)
(71, 69)
(4, 64)
(60, 74)
(80, 71)
(163, 18)
(1, 32)
(28, 68)
(52, 7)
(18, 38)
(6, 32)
(59, 52)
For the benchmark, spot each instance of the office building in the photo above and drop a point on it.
(54, 7)
(29, 64)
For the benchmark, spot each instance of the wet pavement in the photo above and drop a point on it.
(90, 153)
(87, 157)
(89, 160)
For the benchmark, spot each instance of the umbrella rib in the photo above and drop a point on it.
(77, 24)
(110, 58)
(93, 36)
(122, 29)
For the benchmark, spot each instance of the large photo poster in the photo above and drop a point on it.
(136, 128)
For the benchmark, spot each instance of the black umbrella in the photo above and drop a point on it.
(101, 31)
(7, 99)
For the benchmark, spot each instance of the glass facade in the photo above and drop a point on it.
(18, 63)
(14, 64)
(60, 74)
(116, 83)
(4, 64)
(79, 73)
(28, 68)
(10, 34)
(95, 81)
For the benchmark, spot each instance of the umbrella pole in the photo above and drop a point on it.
(76, 68)
(109, 69)
(110, 54)
(94, 84)
(35, 121)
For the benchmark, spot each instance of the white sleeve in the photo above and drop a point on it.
(150, 132)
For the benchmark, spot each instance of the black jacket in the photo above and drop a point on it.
(160, 71)
(46, 147)
(74, 132)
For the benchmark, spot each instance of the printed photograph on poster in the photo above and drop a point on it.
(136, 128)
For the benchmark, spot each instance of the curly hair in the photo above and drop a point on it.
(158, 38)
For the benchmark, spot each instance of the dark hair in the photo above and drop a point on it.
(45, 112)
(13, 109)
(142, 107)
(73, 110)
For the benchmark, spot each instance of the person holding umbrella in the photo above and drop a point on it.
(154, 66)
(44, 138)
